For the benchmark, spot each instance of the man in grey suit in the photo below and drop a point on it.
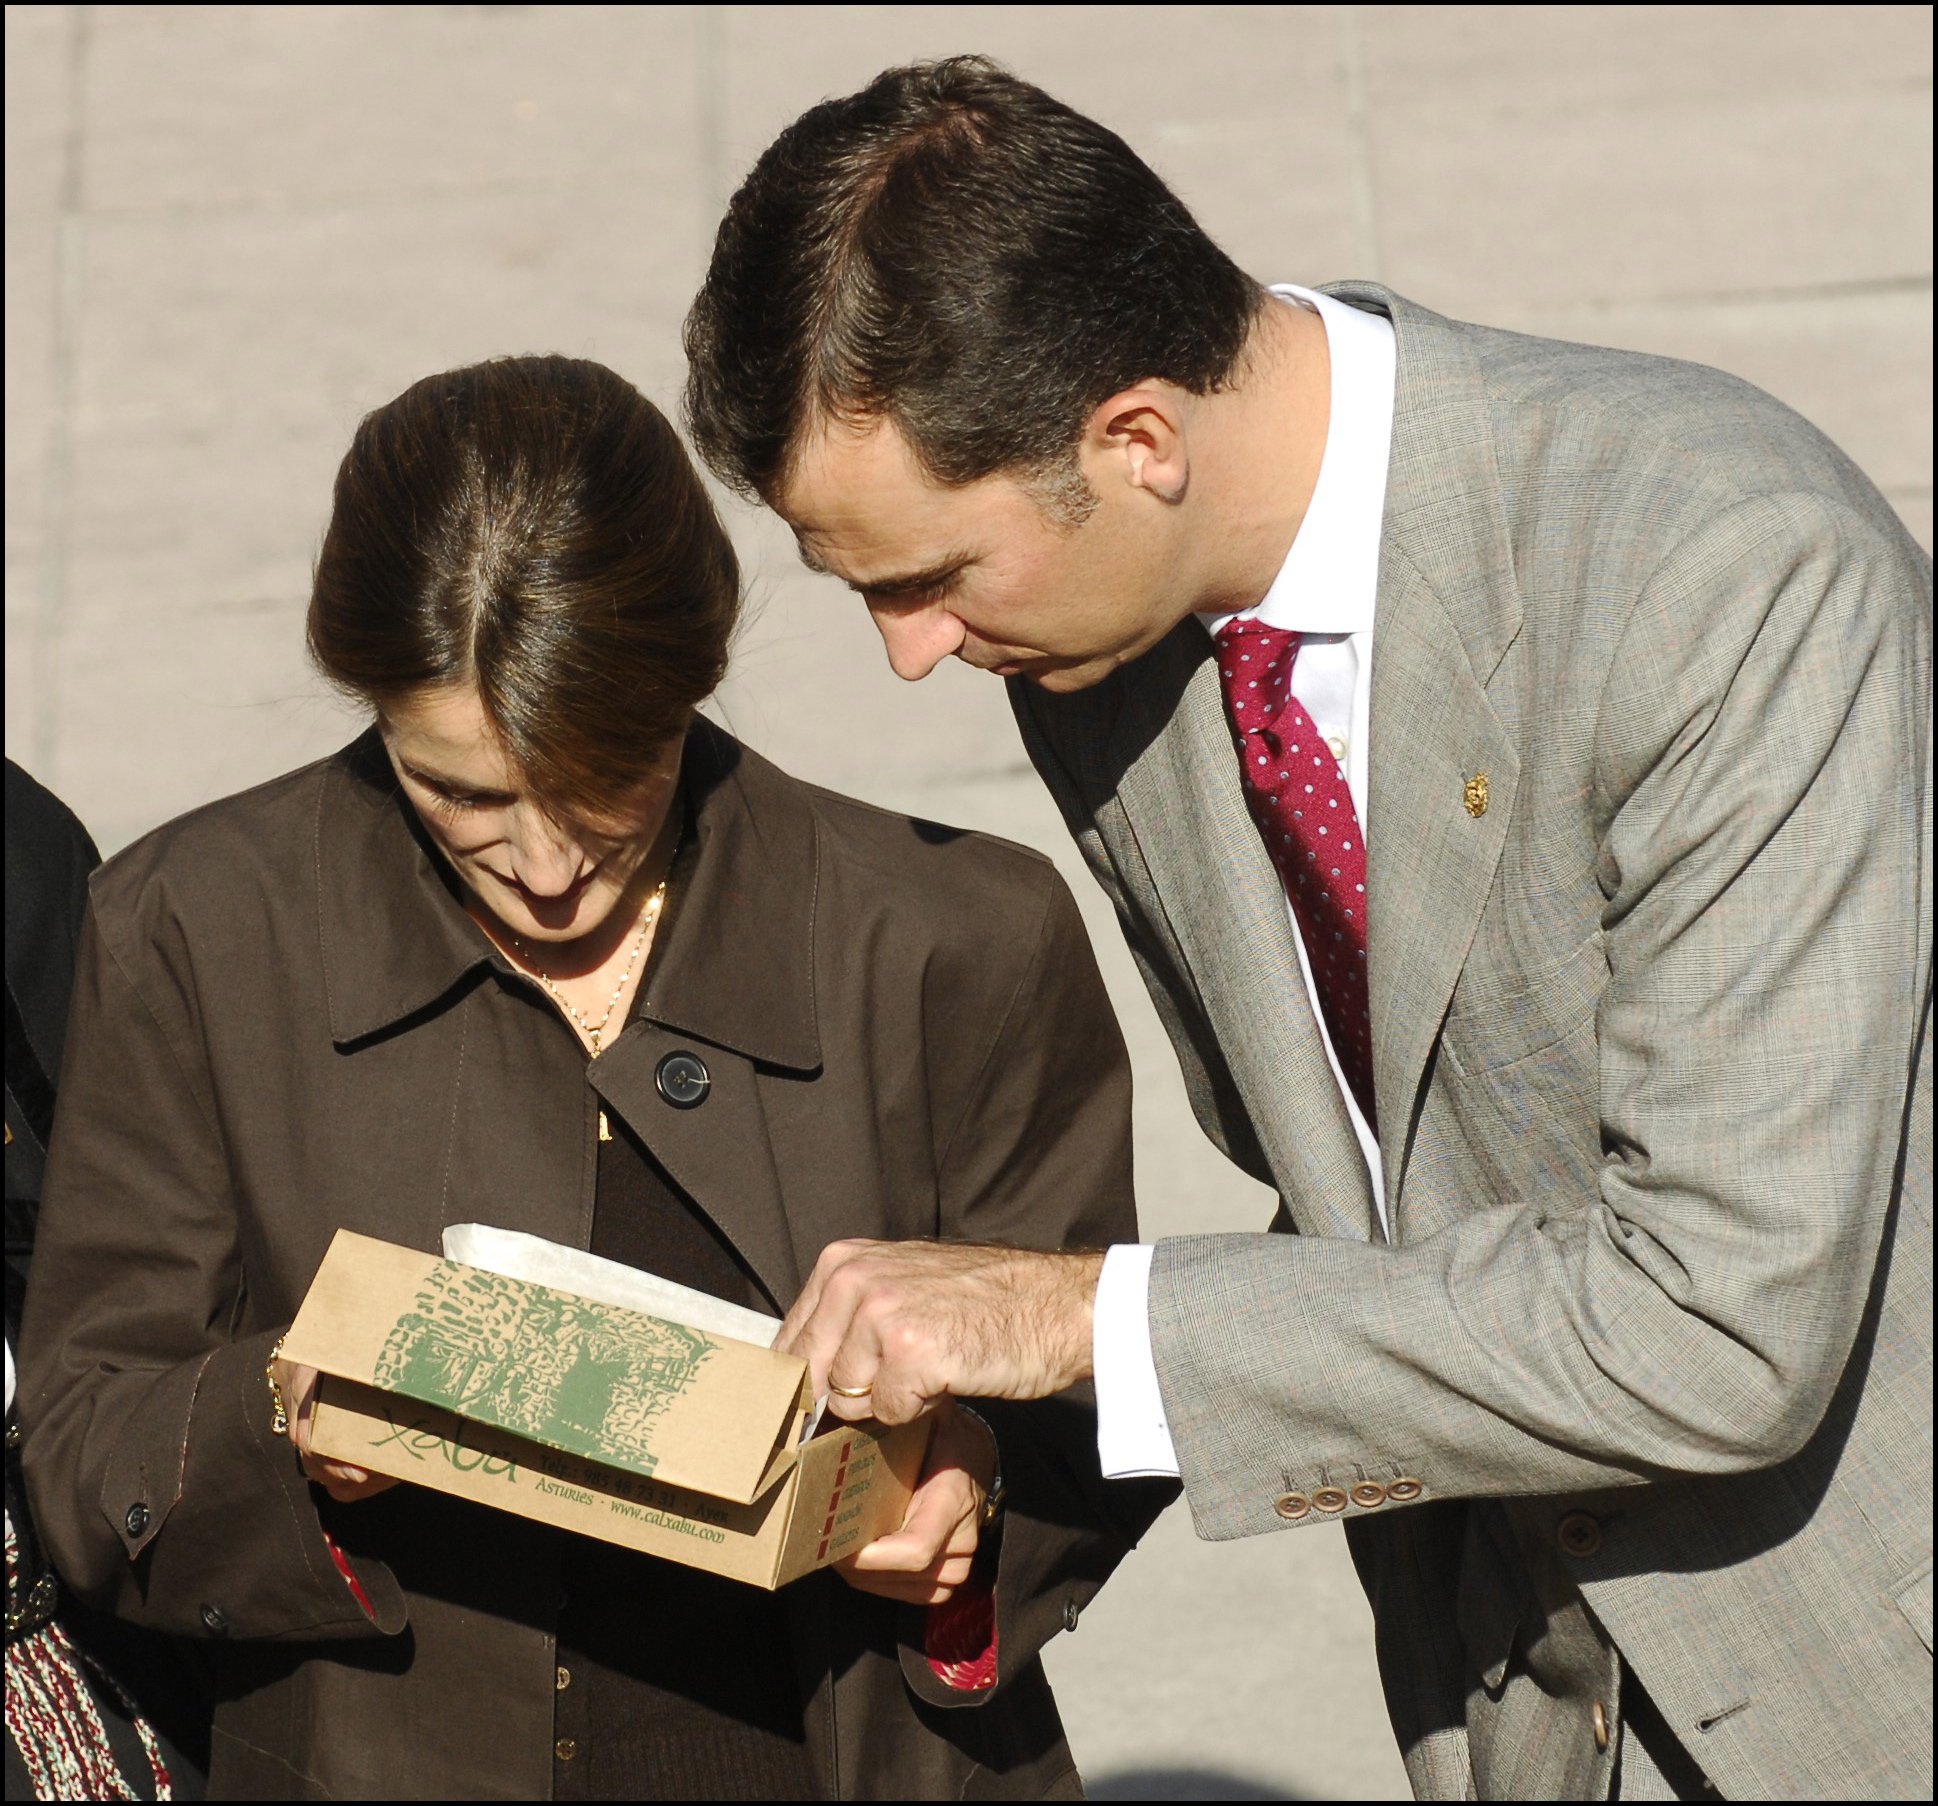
(1593, 1077)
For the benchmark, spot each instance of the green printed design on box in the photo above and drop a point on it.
(561, 1370)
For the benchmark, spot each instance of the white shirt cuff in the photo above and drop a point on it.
(1133, 1440)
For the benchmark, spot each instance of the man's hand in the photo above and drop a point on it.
(891, 1328)
(344, 1483)
(930, 1556)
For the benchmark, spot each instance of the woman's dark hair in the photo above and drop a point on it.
(954, 250)
(532, 526)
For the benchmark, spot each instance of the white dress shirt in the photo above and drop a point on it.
(1325, 591)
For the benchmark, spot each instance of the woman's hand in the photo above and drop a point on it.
(930, 1556)
(344, 1483)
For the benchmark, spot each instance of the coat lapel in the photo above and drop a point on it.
(1448, 610)
(720, 1153)
(1225, 906)
(1430, 862)
(731, 984)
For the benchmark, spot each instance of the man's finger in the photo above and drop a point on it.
(852, 1359)
(832, 1257)
(804, 1305)
(838, 1342)
(817, 1325)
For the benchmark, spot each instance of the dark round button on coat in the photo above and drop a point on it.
(137, 1519)
(215, 1618)
(1578, 1534)
(683, 1080)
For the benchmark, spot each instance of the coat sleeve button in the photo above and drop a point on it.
(1292, 1506)
(1368, 1493)
(1329, 1498)
(1069, 1614)
(683, 1080)
(216, 1620)
(1404, 1490)
(136, 1520)
(1578, 1534)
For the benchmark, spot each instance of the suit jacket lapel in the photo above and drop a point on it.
(1225, 906)
(1430, 862)
(1448, 610)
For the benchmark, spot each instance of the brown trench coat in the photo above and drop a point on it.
(284, 1023)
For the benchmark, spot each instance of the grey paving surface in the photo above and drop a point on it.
(232, 229)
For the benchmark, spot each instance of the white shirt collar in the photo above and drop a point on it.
(1330, 577)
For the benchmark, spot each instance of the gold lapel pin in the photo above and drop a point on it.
(1475, 795)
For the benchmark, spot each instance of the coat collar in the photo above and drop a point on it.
(393, 934)
(735, 961)
(1444, 511)
(737, 965)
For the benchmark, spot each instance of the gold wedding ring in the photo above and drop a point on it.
(849, 1391)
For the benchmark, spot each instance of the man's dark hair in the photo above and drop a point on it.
(531, 526)
(955, 250)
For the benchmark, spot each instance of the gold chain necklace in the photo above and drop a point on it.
(593, 1031)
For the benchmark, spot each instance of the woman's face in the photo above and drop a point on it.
(543, 879)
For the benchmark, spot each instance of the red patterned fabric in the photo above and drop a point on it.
(1298, 797)
(350, 1579)
(959, 1637)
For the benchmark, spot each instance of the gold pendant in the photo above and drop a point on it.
(1475, 795)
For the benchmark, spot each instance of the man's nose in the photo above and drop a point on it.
(918, 639)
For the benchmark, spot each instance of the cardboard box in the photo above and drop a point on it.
(667, 1436)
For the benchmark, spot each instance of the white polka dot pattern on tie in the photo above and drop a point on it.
(1269, 727)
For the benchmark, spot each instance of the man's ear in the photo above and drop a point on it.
(1137, 437)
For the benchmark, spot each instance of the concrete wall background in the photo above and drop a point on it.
(231, 230)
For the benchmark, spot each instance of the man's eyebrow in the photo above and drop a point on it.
(914, 583)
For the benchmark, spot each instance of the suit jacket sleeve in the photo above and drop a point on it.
(1761, 745)
(1038, 1153)
(155, 1482)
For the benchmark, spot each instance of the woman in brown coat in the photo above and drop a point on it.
(545, 949)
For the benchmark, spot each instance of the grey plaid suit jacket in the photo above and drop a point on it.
(1651, 1038)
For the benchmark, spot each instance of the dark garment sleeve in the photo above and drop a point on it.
(156, 1484)
(49, 855)
(1040, 1156)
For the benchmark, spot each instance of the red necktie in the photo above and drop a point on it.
(1299, 799)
